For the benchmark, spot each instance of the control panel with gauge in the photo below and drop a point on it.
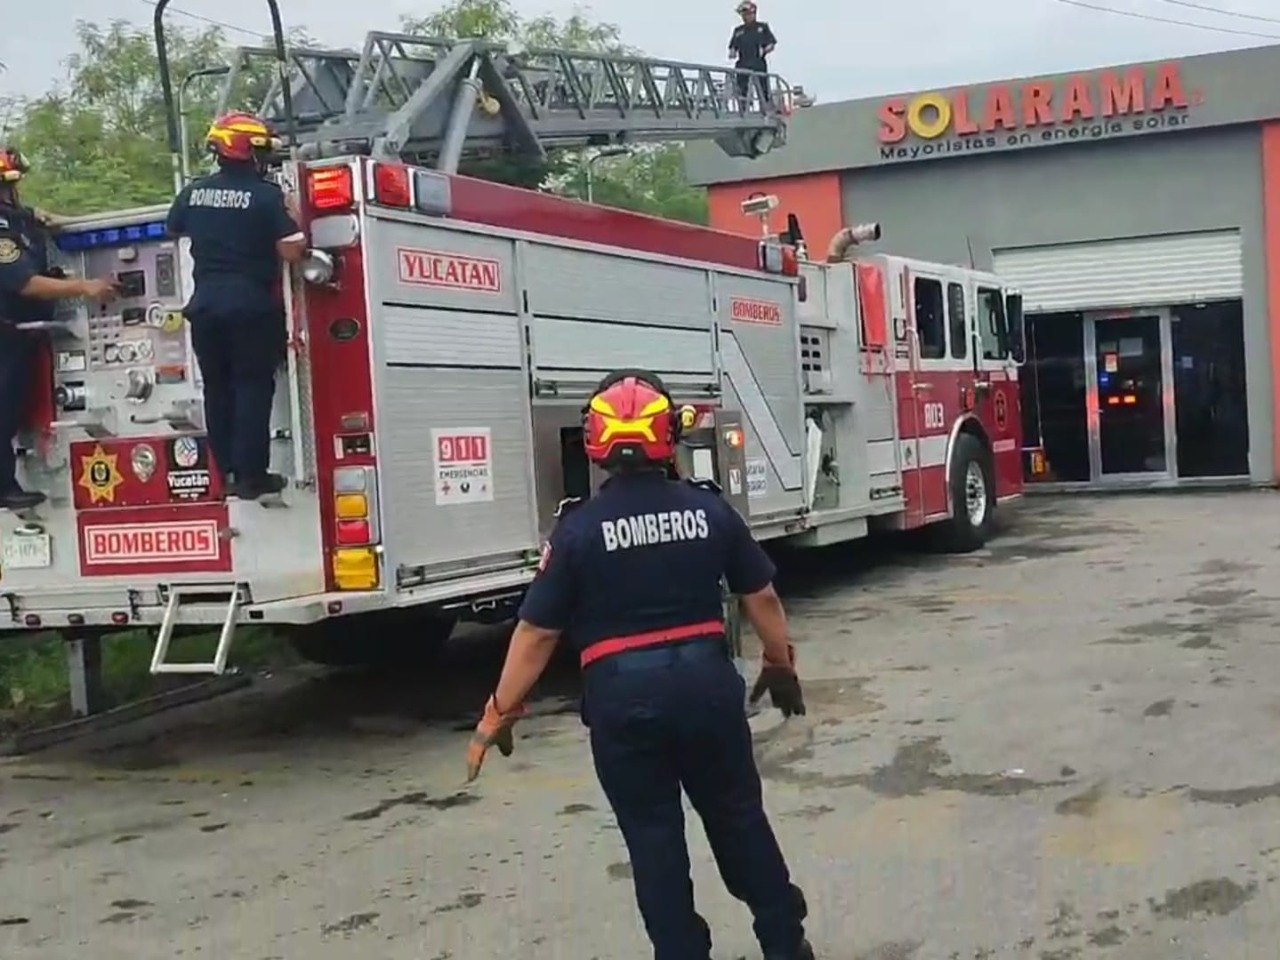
(124, 368)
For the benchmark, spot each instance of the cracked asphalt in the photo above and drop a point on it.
(1061, 747)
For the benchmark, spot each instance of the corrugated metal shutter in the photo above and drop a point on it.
(1143, 271)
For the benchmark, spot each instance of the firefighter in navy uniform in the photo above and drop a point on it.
(29, 286)
(241, 227)
(749, 48)
(632, 577)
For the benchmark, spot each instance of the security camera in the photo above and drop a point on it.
(759, 206)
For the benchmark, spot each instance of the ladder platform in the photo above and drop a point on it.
(401, 96)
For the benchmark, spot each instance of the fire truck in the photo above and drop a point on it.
(445, 333)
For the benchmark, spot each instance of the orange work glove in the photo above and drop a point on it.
(494, 729)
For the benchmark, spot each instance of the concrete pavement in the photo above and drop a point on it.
(1062, 747)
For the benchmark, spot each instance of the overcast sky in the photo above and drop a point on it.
(836, 49)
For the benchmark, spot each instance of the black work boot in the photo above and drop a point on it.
(19, 499)
(265, 485)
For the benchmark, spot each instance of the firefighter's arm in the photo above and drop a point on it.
(544, 616)
(18, 275)
(175, 224)
(50, 221)
(291, 241)
(749, 573)
(770, 41)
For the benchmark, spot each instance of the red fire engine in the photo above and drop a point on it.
(445, 334)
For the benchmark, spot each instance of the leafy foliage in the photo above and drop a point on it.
(97, 142)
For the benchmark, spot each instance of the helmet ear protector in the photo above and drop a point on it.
(653, 380)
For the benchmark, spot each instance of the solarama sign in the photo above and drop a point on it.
(1089, 106)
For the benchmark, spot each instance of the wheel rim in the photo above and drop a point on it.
(975, 493)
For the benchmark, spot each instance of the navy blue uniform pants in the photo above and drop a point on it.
(17, 354)
(239, 352)
(668, 718)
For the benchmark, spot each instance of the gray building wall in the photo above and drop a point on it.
(1224, 89)
(1142, 186)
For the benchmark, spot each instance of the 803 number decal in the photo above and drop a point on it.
(935, 416)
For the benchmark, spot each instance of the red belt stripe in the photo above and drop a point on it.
(654, 638)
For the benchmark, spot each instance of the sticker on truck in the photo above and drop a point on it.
(433, 268)
(190, 540)
(748, 310)
(463, 465)
(757, 479)
(151, 542)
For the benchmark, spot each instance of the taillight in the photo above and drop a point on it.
(356, 534)
(330, 188)
(391, 185)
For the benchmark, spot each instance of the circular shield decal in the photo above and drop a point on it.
(186, 452)
(1002, 411)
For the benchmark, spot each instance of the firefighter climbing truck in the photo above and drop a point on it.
(445, 333)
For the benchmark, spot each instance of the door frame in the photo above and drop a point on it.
(1164, 319)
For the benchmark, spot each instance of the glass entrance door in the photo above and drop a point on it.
(1130, 396)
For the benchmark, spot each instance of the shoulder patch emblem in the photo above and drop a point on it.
(10, 252)
(545, 559)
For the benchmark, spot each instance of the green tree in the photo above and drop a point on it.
(99, 141)
(650, 179)
(96, 142)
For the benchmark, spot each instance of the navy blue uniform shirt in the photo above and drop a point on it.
(748, 43)
(645, 554)
(234, 219)
(24, 254)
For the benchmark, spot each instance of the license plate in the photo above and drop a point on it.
(27, 552)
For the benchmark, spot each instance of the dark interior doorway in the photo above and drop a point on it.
(1210, 403)
(1053, 399)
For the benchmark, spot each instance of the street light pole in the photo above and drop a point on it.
(590, 168)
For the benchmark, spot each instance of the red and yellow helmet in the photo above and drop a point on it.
(240, 137)
(630, 420)
(13, 165)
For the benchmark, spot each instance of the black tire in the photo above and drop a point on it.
(385, 640)
(971, 481)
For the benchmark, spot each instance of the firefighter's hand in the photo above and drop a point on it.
(783, 686)
(50, 221)
(493, 730)
(97, 289)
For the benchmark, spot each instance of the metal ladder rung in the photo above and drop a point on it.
(218, 665)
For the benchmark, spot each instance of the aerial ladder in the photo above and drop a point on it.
(434, 101)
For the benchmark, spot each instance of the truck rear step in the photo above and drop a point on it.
(234, 595)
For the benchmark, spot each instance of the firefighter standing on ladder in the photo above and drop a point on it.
(633, 576)
(241, 227)
(749, 47)
(28, 289)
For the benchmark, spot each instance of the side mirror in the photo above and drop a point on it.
(1017, 329)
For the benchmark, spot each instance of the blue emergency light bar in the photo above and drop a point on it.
(72, 242)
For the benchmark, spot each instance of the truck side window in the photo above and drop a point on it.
(958, 321)
(992, 328)
(930, 319)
